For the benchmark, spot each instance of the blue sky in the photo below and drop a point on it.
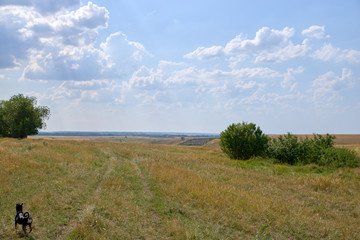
(185, 66)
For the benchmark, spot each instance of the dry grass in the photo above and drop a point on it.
(116, 190)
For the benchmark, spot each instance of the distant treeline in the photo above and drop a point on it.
(127, 134)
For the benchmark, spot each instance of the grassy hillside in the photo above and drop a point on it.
(117, 190)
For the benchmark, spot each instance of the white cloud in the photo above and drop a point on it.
(70, 63)
(329, 53)
(288, 81)
(203, 53)
(86, 85)
(173, 84)
(123, 50)
(265, 39)
(24, 31)
(327, 87)
(268, 45)
(93, 90)
(315, 32)
(42, 6)
(285, 53)
(15, 39)
(76, 28)
(255, 73)
(144, 78)
(63, 46)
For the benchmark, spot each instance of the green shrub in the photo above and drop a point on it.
(289, 149)
(286, 149)
(314, 149)
(339, 157)
(243, 141)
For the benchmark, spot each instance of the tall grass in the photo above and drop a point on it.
(112, 190)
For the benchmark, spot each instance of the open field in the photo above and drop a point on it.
(341, 139)
(97, 189)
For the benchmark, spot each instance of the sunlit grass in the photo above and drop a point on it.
(117, 190)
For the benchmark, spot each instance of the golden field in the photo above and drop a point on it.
(93, 189)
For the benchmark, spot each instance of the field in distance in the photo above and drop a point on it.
(212, 142)
(137, 189)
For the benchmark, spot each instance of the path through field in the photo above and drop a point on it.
(121, 200)
(88, 208)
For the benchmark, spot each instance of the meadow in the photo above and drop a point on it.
(140, 189)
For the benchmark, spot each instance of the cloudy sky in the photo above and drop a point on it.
(185, 66)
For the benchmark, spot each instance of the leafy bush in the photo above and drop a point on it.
(313, 149)
(286, 149)
(289, 149)
(243, 141)
(339, 157)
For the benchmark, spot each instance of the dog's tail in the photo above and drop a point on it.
(27, 215)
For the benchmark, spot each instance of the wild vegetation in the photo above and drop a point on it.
(118, 190)
(245, 140)
(20, 117)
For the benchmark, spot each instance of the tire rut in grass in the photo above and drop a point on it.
(89, 206)
(147, 190)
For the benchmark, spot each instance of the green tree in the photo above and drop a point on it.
(20, 117)
(243, 141)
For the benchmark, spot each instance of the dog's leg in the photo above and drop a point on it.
(15, 225)
(24, 228)
(30, 228)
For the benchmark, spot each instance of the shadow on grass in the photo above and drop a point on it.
(25, 236)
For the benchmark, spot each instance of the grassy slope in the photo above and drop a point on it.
(107, 190)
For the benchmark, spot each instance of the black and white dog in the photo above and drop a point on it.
(21, 218)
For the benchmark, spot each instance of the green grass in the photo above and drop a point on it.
(117, 190)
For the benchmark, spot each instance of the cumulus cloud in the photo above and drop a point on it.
(102, 90)
(203, 53)
(285, 53)
(173, 84)
(26, 34)
(265, 39)
(63, 46)
(123, 51)
(15, 39)
(117, 57)
(145, 78)
(42, 6)
(288, 81)
(268, 45)
(315, 32)
(69, 63)
(327, 87)
(330, 53)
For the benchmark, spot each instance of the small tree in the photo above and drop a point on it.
(243, 141)
(19, 116)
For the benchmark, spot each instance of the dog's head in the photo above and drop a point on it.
(19, 207)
